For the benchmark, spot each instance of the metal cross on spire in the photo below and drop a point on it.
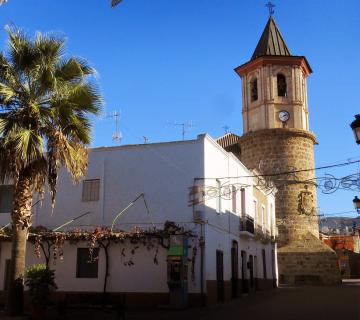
(271, 7)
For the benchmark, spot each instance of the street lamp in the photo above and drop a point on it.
(355, 126)
(356, 203)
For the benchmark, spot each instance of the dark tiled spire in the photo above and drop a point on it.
(271, 42)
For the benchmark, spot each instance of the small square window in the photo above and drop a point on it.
(86, 265)
(90, 191)
(6, 198)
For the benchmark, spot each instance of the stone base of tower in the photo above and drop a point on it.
(308, 262)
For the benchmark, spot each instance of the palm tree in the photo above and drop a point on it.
(45, 103)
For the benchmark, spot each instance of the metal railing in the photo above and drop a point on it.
(247, 224)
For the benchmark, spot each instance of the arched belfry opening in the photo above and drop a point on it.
(281, 85)
(254, 89)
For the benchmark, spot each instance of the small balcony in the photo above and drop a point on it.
(247, 228)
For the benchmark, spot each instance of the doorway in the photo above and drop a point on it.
(244, 281)
(220, 275)
(251, 269)
(234, 269)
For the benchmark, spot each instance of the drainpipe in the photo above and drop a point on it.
(202, 244)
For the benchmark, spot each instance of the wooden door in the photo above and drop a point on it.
(220, 275)
(234, 269)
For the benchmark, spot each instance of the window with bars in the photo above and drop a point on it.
(90, 191)
(86, 264)
(6, 198)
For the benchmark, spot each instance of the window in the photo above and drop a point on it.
(272, 217)
(263, 218)
(234, 199)
(281, 85)
(256, 215)
(86, 266)
(254, 89)
(90, 191)
(218, 198)
(243, 206)
(6, 198)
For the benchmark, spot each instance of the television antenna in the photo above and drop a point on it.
(117, 135)
(184, 126)
(226, 128)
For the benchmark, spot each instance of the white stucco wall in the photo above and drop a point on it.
(163, 172)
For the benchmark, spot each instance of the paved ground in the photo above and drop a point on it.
(287, 303)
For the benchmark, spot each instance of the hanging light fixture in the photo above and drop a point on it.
(356, 203)
(115, 3)
(355, 126)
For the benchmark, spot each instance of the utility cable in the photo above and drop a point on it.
(285, 172)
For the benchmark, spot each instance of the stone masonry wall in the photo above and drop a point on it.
(273, 151)
(302, 256)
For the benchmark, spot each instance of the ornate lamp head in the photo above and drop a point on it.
(356, 203)
(355, 126)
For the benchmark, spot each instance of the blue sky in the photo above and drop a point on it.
(162, 61)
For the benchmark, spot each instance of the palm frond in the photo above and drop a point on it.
(45, 103)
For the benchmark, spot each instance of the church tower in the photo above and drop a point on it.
(278, 142)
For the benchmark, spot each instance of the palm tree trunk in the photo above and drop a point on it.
(20, 216)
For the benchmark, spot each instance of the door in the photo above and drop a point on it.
(255, 272)
(7, 274)
(244, 280)
(220, 275)
(251, 269)
(234, 269)
(264, 263)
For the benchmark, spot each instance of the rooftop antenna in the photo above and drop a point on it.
(117, 135)
(271, 7)
(184, 126)
(226, 128)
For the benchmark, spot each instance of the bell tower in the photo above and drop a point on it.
(278, 142)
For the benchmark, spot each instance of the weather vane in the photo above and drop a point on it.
(271, 7)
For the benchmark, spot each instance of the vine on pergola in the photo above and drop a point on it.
(47, 241)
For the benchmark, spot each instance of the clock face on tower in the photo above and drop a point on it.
(284, 115)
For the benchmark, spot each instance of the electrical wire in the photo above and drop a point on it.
(285, 172)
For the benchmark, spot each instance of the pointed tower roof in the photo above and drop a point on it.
(271, 42)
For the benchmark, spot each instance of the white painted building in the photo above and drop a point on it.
(230, 254)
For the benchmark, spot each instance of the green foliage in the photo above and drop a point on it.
(46, 101)
(41, 281)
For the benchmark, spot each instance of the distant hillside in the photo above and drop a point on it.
(331, 224)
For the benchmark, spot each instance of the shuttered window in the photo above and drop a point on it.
(90, 191)
(6, 198)
(86, 266)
